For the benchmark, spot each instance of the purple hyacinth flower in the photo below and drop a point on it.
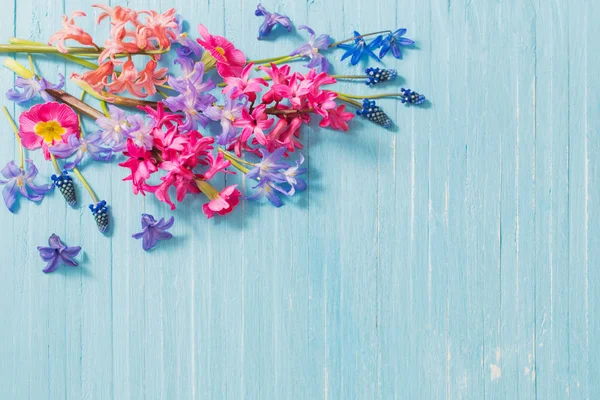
(20, 181)
(270, 167)
(112, 127)
(359, 48)
(31, 87)
(153, 231)
(193, 74)
(311, 50)
(226, 115)
(91, 144)
(189, 47)
(269, 190)
(291, 175)
(192, 104)
(139, 132)
(271, 20)
(58, 253)
(393, 41)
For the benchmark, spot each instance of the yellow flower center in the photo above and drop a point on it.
(50, 131)
(221, 51)
(20, 181)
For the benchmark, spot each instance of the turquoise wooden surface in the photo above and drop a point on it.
(455, 257)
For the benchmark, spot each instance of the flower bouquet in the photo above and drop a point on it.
(153, 119)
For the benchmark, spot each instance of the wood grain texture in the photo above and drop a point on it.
(454, 257)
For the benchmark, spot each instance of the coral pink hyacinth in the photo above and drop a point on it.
(46, 124)
(230, 61)
(71, 31)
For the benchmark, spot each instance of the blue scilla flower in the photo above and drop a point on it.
(359, 48)
(393, 42)
(100, 213)
(410, 97)
(376, 75)
(372, 112)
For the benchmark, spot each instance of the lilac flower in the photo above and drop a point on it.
(192, 75)
(31, 87)
(226, 115)
(153, 231)
(139, 132)
(269, 168)
(269, 190)
(393, 41)
(18, 180)
(311, 50)
(291, 176)
(271, 20)
(359, 48)
(91, 144)
(58, 253)
(189, 47)
(192, 105)
(113, 126)
(275, 175)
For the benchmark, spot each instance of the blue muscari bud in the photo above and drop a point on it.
(410, 97)
(100, 213)
(64, 183)
(376, 75)
(373, 113)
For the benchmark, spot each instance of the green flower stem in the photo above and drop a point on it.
(86, 185)
(282, 60)
(350, 76)
(265, 60)
(16, 130)
(349, 100)
(208, 189)
(55, 164)
(105, 108)
(374, 96)
(235, 161)
(361, 36)
(26, 46)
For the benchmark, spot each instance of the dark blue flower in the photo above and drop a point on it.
(57, 253)
(64, 183)
(393, 41)
(100, 213)
(271, 20)
(373, 113)
(359, 48)
(376, 75)
(153, 231)
(410, 97)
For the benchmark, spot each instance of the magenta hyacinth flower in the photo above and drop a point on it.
(57, 253)
(21, 181)
(153, 231)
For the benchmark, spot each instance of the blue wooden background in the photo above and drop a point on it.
(453, 257)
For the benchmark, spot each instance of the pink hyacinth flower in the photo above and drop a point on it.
(337, 118)
(224, 203)
(244, 85)
(254, 123)
(126, 81)
(71, 31)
